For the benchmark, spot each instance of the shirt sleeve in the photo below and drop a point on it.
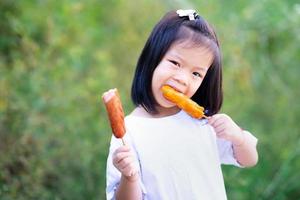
(226, 153)
(113, 176)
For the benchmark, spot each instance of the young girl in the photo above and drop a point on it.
(169, 154)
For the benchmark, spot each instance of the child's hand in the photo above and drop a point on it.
(226, 128)
(124, 161)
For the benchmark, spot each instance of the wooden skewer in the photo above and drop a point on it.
(123, 141)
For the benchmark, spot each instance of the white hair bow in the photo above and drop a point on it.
(187, 13)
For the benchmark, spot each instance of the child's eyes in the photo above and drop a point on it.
(175, 63)
(197, 74)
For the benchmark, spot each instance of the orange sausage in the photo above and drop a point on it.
(183, 102)
(114, 109)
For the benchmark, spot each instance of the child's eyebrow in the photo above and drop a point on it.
(201, 68)
(176, 56)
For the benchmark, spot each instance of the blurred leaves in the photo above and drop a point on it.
(57, 57)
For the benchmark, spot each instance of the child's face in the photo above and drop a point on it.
(183, 67)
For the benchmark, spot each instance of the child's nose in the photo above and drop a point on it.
(181, 78)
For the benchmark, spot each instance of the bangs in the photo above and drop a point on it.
(191, 38)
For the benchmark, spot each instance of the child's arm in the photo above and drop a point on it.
(129, 187)
(244, 144)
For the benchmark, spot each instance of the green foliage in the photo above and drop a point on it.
(57, 57)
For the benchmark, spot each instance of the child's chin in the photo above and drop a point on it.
(168, 104)
(164, 102)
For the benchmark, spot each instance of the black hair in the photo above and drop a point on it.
(170, 29)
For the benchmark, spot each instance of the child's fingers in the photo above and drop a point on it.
(216, 120)
(129, 170)
(118, 157)
(218, 123)
(125, 162)
(219, 129)
(123, 149)
(120, 152)
(213, 119)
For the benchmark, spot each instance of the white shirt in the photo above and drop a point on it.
(179, 157)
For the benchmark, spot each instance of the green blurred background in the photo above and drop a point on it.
(58, 57)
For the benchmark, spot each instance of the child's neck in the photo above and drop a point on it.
(162, 112)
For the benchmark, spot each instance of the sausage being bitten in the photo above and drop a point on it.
(183, 102)
(114, 109)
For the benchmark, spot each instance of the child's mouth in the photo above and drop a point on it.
(176, 89)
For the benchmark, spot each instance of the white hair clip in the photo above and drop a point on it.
(187, 13)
